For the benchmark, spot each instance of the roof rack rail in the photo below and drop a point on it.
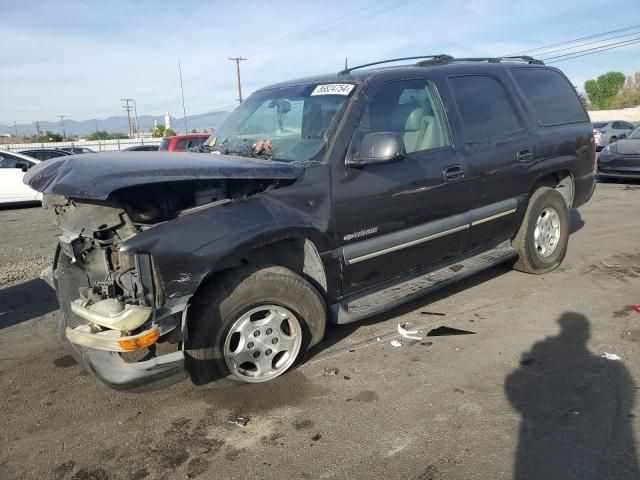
(440, 57)
(522, 58)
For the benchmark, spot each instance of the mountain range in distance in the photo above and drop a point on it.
(119, 124)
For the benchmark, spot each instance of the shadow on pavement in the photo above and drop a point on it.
(575, 221)
(576, 410)
(336, 333)
(25, 301)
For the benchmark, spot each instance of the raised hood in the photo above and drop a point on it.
(95, 176)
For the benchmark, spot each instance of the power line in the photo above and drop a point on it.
(574, 41)
(593, 51)
(571, 47)
(360, 15)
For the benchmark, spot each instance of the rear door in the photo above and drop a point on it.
(499, 150)
(397, 217)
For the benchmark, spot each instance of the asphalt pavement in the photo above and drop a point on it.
(526, 394)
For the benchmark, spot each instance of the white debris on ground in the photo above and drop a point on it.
(409, 334)
(611, 356)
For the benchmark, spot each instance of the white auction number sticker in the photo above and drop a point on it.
(333, 89)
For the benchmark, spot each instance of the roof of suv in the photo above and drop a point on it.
(461, 65)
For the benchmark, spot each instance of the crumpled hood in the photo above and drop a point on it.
(95, 176)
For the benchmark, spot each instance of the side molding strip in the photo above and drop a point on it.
(493, 217)
(351, 261)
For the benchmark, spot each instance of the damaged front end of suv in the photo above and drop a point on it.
(132, 251)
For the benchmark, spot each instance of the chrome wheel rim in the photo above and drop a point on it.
(547, 233)
(263, 343)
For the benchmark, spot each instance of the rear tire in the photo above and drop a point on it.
(240, 315)
(542, 240)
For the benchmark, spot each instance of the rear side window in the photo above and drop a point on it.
(182, 143)
(552, 97)
(484, 107)
(165, 144)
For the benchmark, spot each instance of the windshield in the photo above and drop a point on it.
(286, 124)
(599, 124)
(635, 134)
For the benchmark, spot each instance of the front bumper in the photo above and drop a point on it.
(112, 370)
(95, 351)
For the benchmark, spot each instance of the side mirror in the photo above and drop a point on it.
(24, 166)
(621, 136)
(380, 147)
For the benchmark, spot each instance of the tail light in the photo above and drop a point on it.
(593, 154)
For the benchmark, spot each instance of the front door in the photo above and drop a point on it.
(397, 217)
(12, 189)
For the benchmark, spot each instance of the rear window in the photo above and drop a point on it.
(165, 144)
(552, 97)
(484, 107)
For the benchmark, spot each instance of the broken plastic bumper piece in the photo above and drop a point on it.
(110, 313)
(111, 340)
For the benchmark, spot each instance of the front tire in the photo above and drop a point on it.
(252, 325)
(542, 240)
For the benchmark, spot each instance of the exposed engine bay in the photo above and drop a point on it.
(117, 297)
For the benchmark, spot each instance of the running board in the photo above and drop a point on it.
(371, 302)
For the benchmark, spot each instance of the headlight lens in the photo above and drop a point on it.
(610, 149)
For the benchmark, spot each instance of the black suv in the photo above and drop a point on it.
(330, 198)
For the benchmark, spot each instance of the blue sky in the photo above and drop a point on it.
(75, 58)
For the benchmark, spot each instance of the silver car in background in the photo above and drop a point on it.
(610, 131)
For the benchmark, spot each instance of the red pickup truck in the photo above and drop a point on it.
(179, 143)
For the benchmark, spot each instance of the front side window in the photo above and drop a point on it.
(484, 107)
(9, 161)
(552, 97)
(410, 108)
(295, 122)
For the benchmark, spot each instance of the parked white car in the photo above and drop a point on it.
(13, 166)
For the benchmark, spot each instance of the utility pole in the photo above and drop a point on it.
(64, 134)
(126, 105)
(38, 128)
(184, 111)
(135, 111)
(15, 128)
(238, 60)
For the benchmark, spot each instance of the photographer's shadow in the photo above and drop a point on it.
(576, 410)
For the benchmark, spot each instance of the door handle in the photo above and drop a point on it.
(453, 173)
(524, 155)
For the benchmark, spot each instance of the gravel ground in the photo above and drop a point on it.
(527, 396)
(28, 239)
